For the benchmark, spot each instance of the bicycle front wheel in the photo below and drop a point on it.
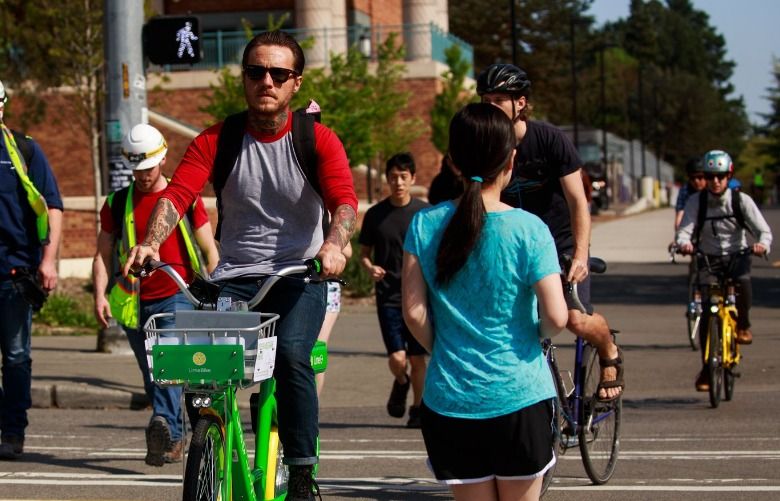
(599, 429)
(714, 359)
(203, 478)
(278, 472)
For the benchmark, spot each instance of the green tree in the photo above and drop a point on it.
(452, 97)
(771, 128)
(364, 107)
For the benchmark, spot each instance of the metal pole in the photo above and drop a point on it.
(574, 87)
(125, 83)
(604, 124)
(513, 20)
(641, 122)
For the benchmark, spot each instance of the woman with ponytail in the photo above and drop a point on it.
(481, 285)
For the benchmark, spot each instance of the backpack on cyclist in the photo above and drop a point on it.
(231, 139)
(24, 145)
(736, 207)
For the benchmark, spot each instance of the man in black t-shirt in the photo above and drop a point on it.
(546, 181)
(381, 246)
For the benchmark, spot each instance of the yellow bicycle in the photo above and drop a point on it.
(721, 350)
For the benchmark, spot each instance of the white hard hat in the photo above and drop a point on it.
(3, 97)
(143, 147)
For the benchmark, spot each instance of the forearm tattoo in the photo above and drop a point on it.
(162, 222)
(343, 226)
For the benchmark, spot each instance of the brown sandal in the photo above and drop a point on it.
(618, 382)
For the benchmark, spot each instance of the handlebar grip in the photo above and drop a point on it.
(314, 265)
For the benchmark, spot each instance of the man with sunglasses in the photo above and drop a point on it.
(720, 235)
(271, 217)
(695, 184)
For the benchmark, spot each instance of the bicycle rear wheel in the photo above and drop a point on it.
(714, 360)
(599, 428)
(205, 461)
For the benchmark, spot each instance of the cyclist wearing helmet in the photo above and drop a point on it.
(546, 181)
(723, 235)
(696, 183)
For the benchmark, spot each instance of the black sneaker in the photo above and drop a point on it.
(158, 441)
(11, 447)
(396, 404)
(414, 417)
(301, 485)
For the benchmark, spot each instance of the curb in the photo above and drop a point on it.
(84, 396)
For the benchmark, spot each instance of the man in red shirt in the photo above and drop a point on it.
(130, 301)
(271, 217)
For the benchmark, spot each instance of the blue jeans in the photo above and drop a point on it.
(166, 401)
(301, 309)
(15, 328)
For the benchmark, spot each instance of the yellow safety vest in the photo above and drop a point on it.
(124, 295)
(34, 197)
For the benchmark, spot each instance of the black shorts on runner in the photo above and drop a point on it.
(515, 446)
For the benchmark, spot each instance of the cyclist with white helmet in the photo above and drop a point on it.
(719, 233)
(546, 181)
(130, 302)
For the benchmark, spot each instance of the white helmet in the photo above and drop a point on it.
(3, 97)
(143, 147)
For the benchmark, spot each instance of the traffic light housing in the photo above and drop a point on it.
(172, 40)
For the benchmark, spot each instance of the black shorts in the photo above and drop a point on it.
(515, 446)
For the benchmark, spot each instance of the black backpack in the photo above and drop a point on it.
(736, 207)
(231, 139)
(24, 145)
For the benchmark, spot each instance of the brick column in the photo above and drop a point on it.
(327, 22)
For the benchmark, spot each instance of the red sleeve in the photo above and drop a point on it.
(194, 170)
(106, 220)
(199, 214)
(333, 170)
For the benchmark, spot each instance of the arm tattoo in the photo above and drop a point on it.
(162, 222)
(342, 227)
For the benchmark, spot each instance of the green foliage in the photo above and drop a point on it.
(771, 128)
(452, 97)
(363, 107)
(63, 310)
(359, 284)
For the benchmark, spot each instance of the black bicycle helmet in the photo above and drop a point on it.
(506, 78)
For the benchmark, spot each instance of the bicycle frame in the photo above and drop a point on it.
(727, 312)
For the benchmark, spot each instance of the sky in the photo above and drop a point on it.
(750, 28)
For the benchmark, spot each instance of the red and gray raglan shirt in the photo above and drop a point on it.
(271, 215)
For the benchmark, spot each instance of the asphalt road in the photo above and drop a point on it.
(673, 445)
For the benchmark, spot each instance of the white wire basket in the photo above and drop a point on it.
(211, 348)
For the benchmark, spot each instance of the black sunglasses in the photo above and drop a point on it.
(721, 176)
(278, 75)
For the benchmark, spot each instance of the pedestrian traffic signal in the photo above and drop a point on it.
(172, 40)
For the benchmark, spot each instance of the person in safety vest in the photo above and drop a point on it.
(130, 301)
(30, 229)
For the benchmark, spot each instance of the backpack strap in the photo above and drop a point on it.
(700, 216)
(736, 207)
(305, 146)
(24, 145)
(231, 140)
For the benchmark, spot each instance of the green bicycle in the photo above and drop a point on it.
(213, 354)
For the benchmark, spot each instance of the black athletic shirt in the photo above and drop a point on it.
(543, 157)
(384, 228)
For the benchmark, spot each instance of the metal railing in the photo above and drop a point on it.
(422, 42)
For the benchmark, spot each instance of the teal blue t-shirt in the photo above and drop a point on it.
(486, 359)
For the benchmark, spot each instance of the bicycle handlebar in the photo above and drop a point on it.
(309, 268)
(595, 265)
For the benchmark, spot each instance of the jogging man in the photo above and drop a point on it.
(131, 301)
(381, 255)
(271, 216)
(546, 181)
(30, 230)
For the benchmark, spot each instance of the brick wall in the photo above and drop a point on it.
(207, 6)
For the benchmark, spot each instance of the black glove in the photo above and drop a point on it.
(27, 285)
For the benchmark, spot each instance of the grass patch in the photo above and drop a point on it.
(70, 310)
